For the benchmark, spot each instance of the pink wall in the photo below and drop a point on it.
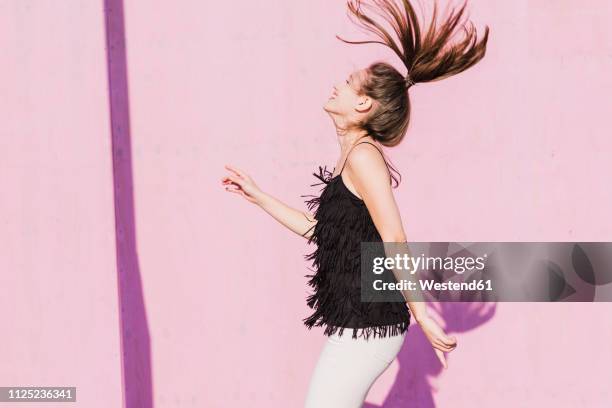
(514, 149)
(57, 256)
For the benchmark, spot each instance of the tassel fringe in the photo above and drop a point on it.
(342, 224)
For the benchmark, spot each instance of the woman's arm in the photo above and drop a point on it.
(300, 222)
(368, 172)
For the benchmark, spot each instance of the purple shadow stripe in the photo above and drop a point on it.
(134, 329)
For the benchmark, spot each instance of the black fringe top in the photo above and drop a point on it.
(343, 222)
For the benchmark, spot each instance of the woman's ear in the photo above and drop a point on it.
(364, 104)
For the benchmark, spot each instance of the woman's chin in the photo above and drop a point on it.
(329, 106)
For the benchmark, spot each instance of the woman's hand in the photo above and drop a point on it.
(240, 183)
(439, 340)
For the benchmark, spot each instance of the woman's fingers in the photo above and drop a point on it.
(236, 171)
(232, 179)
(238, 190)
(449, 341)
(435, 344)
(443, 342)
(233, 189)
(440, 343)
(441, 357)
(439, 340)
(442, 347)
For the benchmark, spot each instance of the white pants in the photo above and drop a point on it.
(348, 367)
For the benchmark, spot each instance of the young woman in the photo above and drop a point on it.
(371, 109)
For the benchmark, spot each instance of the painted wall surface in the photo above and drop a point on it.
(57, 238)
(515, 149)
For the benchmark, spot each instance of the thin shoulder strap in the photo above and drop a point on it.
(381, 153)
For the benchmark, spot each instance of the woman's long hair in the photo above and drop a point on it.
(428, 57)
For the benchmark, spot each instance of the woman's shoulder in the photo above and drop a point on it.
(367, 158)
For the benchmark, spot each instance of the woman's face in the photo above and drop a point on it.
(345, 99)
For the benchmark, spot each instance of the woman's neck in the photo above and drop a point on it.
(347, 139)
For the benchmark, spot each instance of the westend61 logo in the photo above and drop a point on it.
(486, 271)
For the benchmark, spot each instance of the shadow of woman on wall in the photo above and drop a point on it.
(417, 361)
